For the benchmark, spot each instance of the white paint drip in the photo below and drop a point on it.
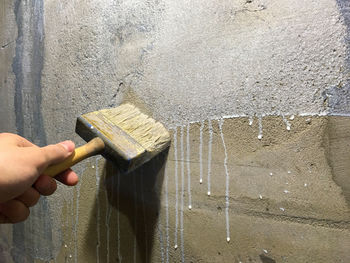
(265, 251)
(305, 185)
(144, 213)
(176, 190)
(286, 191)
(260, 197)
(118, 220)
(166, 216)
(98, 212)
(292, 117)
(260, 135)
(108, 219)
(135, 220)
(250, 120)
(209, 152)
(76, 222)
(188, 151)
(201, 152)
(289, 172)
(282, 209)
(271, 174)
(227, 191)
(160, 242)
(286, 122)
(182, 194)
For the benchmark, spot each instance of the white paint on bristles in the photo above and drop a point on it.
(176, 190)
(201, 152)
(260, 135)
(188, 151)
(182, 193)
(209, 152)
(227, 190)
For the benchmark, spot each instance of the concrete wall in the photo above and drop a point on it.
(255, 94)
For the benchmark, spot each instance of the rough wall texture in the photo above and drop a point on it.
(258, 170)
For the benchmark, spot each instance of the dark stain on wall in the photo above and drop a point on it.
(33, 238)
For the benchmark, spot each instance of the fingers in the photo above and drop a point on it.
(58, 152)
(68, 177)
(13, 211)
(29, 197)
(45, 185)
(13, 139)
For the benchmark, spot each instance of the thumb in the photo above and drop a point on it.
(58, 152)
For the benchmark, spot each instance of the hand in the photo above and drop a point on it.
(21, 178)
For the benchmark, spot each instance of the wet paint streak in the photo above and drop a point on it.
(201, 152)
(118, 219)
(107, 222)
(209, 153)
(260, 135)
(77, 220)
(176, 190)
(135, 219)
(98, 215)
(161, 242)
(227, 190)
(27, 243)
(166, 215)
(144, 212)
(182, 193)
(188, 152)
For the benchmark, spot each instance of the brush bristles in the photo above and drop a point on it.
(151, 135)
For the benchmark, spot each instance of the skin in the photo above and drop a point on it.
(21, 180)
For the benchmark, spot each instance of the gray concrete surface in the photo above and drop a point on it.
(278, 64)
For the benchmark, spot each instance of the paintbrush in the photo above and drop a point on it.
(123, 135)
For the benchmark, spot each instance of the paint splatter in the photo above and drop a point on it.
(188, 152)
(227, 190)
(209, 152)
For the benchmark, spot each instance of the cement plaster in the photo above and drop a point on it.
(182, 62)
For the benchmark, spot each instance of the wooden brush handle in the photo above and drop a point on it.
(93, 147)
